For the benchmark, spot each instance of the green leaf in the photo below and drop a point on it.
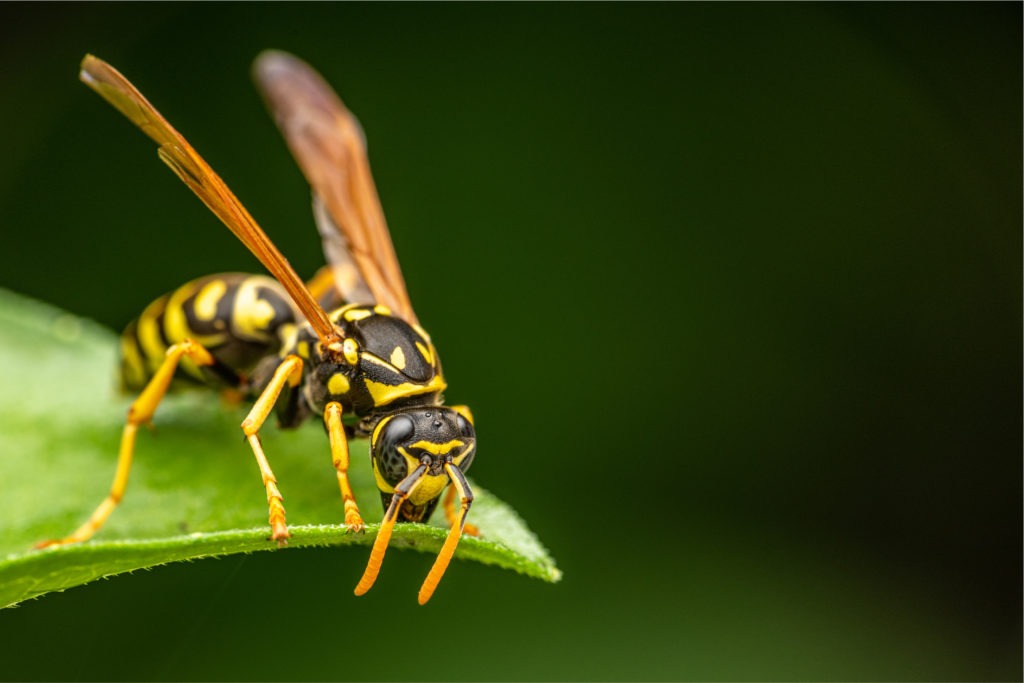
(195, 490)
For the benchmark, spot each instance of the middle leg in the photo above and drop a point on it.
(339, 454)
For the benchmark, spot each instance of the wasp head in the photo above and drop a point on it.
(428, 437)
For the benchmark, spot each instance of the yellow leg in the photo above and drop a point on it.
(448, 549)
(288, 372)
(380, 544)
(449, 513)
(339, 454)
(141, 412)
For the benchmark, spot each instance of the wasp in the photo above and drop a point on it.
(346, 347)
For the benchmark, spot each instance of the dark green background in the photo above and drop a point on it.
(734, 292)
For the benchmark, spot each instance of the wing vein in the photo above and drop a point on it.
(186, 163)
(328, 144)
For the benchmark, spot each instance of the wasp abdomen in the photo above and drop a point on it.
(238, 318)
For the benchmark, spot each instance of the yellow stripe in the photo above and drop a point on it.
(386, 393)
(422, 332)
(427, 354)
(250, 315)
(176, 327)
(355, 314)
(377, 361)
(384, 364)
(206, 301)
(288, 333)
(134, 367)
(149, 334)
(350, 312)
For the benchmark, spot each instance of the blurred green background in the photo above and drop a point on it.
(734, 292)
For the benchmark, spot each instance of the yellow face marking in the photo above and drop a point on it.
(398, 358)
(382, 485)
(376, 430)
(427, 354)
(205, 304)
(351, 351)
(338, 384)
(430, 488)
(386, 393)
(437, 448)
(458, 459)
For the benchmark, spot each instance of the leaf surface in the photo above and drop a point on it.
(195, 490)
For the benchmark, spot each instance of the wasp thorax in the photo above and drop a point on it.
(378, 361)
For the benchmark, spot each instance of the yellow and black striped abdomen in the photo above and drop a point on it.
(238, 318)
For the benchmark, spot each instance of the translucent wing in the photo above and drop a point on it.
(348, 280)
(197, 174)
(328, 144)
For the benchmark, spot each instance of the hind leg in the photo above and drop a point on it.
(141, 412)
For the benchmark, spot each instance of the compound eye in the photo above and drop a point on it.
(398, 428)
(465, 427)
(390, 463)
(467, 432)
